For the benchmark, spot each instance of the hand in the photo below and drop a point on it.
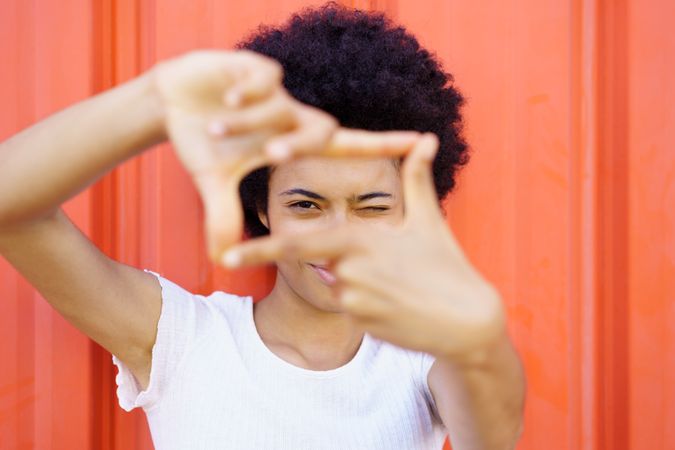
(411, 284)
(228, 114)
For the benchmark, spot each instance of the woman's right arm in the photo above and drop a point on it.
(53, 160)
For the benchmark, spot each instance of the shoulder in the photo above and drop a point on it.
(413, 362)
(190, 317)
(186, 321)
(172, 291)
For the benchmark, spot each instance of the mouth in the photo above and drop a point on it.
(324, 274)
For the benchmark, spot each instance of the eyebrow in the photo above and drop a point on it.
(304, 192)
(314, 195)
(368, 196)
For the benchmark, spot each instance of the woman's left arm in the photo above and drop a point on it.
(480, 400)
(413, 286)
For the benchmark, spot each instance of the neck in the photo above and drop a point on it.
(300, 333)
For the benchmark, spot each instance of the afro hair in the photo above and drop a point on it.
(366, 72)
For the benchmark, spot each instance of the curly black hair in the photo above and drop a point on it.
(368, 73)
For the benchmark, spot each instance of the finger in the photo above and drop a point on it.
(350, 142)
(223, 216)
(275, 113)
(330, 244)
(419, 192)
(262, 78)
(313, 132)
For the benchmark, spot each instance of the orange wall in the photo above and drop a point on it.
(568, 204)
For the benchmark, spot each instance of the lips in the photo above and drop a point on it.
(324, 274)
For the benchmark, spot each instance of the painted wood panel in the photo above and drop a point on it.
(568, 204)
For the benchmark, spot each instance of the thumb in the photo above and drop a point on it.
(419, 192)
(223, 216)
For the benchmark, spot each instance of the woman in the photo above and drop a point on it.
(378, 332)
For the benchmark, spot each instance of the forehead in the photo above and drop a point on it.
(337, 175)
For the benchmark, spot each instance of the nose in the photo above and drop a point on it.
(339, 218)
(344, 216)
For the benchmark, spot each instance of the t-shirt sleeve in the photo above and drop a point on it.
(183, 315)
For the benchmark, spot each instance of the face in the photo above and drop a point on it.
(311, 194)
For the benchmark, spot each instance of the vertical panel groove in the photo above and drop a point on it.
(600, 179)
(103, 219)
(612, 208)
(585, 314)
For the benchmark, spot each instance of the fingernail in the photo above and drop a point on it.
(233, 98)
(231, 258)
(217, 128)
(278, 151)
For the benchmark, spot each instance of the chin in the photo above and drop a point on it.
(319, 296)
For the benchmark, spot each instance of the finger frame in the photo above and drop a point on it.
(419, 197)
(310, 137)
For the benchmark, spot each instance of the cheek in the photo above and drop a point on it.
(289, 269)
(299, 278)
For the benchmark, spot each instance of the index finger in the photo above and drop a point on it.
(347, 142)
(352, 142)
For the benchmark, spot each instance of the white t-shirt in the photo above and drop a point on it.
(214, 384)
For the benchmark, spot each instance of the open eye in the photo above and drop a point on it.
(304, 204)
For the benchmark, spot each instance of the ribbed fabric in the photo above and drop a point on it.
(215, 385)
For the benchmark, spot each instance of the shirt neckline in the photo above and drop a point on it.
(272, 359)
